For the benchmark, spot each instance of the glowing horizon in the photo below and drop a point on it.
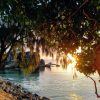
(71, 66)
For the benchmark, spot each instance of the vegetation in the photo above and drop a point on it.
(54, 26)
(60, 26)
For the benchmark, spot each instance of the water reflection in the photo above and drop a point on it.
(56, 84)
(75, 96)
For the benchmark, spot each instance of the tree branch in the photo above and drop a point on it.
(14, 39)
(96, 91)
(91, 19)
(86, 1)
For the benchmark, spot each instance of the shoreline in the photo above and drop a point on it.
(16, 92)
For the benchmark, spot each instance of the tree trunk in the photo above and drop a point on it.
(1, 62)
(2, 54)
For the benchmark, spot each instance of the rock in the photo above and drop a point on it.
(6, 96)
(18, 92)
(9, 83)
(42, 63)
(44, 98)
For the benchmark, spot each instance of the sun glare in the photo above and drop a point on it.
(79, 50)
(72, 64)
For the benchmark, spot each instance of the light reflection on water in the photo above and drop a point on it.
(56, 84)
(75, 97)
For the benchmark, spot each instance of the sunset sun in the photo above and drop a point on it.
(72, 63)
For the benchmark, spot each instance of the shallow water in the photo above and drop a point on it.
(56, 83)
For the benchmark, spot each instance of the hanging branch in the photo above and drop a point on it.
(89, 18)
(86, 1)
(96, 91)
(69, 19)
(15, 38)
